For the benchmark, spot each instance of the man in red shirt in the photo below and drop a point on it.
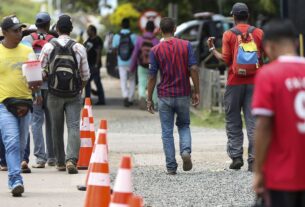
(279, 105)
(239, 89)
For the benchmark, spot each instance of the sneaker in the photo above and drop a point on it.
(17, 190)
(126, 102)
(39, 165)
(71, 167)
(250, 166)
(25, 168)
(171, 172)
(3, 168)
(187, 161)
(237, 163)
(51, 163)
(61, 167)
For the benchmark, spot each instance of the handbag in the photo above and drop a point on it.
(18, 107)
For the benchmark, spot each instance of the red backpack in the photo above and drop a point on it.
(144, 52)
(39, 40)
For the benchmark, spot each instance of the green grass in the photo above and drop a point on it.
(208, 119)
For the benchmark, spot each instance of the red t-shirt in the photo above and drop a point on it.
(280, 93)
(229, 49)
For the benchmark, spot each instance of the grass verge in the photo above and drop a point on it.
(208, 119)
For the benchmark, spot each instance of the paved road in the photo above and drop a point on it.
(137, 133)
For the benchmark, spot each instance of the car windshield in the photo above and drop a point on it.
(185, 25)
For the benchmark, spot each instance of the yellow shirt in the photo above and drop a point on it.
(12, 83)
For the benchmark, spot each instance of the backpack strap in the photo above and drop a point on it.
(34, 35)
(49, 37)
(236, 31)
(251, 29)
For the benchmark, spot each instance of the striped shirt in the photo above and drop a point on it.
(173, 57)
(80, 53)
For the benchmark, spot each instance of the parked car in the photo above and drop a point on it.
(197, 31)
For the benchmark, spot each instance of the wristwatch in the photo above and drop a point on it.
(211, 49)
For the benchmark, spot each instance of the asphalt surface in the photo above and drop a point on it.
(137, 133)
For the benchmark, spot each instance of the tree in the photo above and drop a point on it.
(81, 5)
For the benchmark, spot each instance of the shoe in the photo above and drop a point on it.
(17, 190)
(3, 168)
(237, 163)
(100, 103)
(187, 161)
(39, 165)
(25, 168)
(250, 166)
(126, 102)
(61, 167)
(51, 163)
(142, 104)
(71, 167)
(171, 173)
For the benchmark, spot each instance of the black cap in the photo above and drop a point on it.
(11, 22)
(64, 22)
(239, 8)
(42, 18)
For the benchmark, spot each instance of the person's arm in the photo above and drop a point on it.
(83, 65)
(212, 48)
(152, 80)
(192, 64)
(262, 137)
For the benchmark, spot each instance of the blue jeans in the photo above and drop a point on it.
(14, 133)
(168, 107)
(2, 153)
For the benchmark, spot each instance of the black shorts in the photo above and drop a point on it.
(285, 198)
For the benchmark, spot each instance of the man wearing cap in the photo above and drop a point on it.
(59, 105)
(14, 127)
(40, 110)
(239, 90)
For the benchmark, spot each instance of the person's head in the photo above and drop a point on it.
(240, 13)
(150, 26)
(167, 26)
(91, 31)
(12, 29)
(125, 23)
(280, 38)
(64, 25)
(43, 21)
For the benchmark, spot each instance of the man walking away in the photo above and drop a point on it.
(124, 43)
(176, 61)
(66, 67)
(15, 99)
(40, 111)
(278, 104)
(238, 44)
(94, 45)
(140, 61)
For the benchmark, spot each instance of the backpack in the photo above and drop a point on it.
(39, 40)
(125, 46)
(64, 76)
(246, 54)
(144, 52)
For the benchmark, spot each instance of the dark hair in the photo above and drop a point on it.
(64, 30)
(150, 26)
(277, 30)
(43, 25)
(242, 16)
(167, 25)
(92, 28)
(125, 23)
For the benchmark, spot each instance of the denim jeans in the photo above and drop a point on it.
(2, 153)
(168, 108)
(237, 98)
(59, 108)
(14, 133)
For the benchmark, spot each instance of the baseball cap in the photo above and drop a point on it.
(42, 18)
(239, 8)
(11, 22)
(64, 22)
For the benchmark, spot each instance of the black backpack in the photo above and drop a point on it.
(64, 76)
(125, 46)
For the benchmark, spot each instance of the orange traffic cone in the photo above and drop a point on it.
(91, 120)
(122, 190)
(98, 188)
(85, 150)
(136, 201)
(103, 129)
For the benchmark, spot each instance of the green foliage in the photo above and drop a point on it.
(24, 10)
(208, 119)
(81, 5)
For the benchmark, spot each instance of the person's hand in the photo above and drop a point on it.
(35, 85)
(195, 99)
(150, 106)
(210, 42)
(38, 100)
(258, 183)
